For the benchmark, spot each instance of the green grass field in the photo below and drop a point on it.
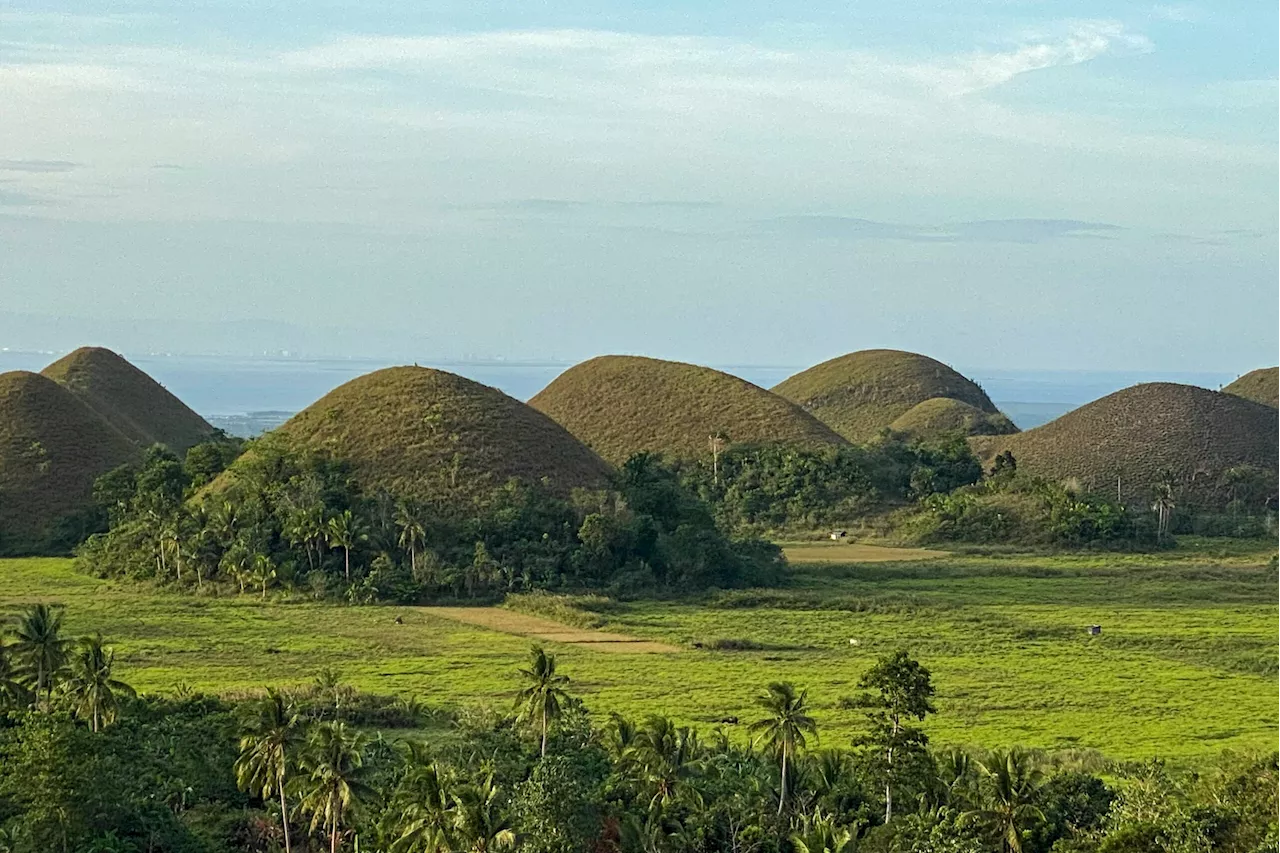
(1185, 666)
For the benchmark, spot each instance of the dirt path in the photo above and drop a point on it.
(511, 622)
(854, 552)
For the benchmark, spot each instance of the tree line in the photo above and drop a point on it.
(306, 769)
(297, 520)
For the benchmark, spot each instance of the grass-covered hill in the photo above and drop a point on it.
(1260, 386)
(432, 435)
(621, 405)
(130, 400)
(861, 393)
(52, 447)
(939, 415)
(1136, 434)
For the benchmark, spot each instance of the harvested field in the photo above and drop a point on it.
(855, 552)
(510, 622)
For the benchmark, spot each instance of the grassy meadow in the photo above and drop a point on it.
(1185, 666)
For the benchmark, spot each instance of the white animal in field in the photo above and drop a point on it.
(853, 642)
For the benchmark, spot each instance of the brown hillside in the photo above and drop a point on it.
(433, 435)
(621, 405)
(128, 399)
(1260, 386)
(943, 415)
(52, 447)
(1137, 433)
(861, 393)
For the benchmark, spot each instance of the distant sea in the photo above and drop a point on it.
(245, 396)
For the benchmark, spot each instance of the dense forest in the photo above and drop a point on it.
(295, 520)
(88, 767)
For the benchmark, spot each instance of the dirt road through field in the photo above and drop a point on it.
(511, 622)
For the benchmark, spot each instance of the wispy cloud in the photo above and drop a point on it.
(1081, 42)
(10, 198)
(37, 166)
(980, 231)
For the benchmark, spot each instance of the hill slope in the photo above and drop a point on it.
(621, 405)
(433, 435)
(1260, 386)
(1137, 433)
(52, 447)
(861, 393)
(128, 399)
(939, 415)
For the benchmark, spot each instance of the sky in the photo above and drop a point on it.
(1003, 183)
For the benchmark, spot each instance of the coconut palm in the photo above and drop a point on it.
(331, 781)
(1013, 780)
(541, 697)
(93, 692)
(13, 693)
(478, 822)
(270, 735)
(39, 646)
(783, 730)
(346, 531)
(666, 756)
(423, 809)
(1164, 502)
(413, 533)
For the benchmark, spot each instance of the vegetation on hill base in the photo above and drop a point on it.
(299, 520)
(131, 401)
(52, 447)
(1026, 511)
(773, 487)
(434, 437)
(299, 770)
(624, 405)
(1206, 447)
(1260, 386)
(862, 393)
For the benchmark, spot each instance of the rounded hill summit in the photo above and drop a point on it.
(432, 435)
(620, 405)
(862, 393)
(128, 399)
(1130, 440)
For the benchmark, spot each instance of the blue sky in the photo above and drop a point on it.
(1029, 184)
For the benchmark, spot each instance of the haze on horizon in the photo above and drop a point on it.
(753, 183)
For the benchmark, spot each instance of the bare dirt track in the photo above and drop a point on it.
(855, 552)
(511, 622)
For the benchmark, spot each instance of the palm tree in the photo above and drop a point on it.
(1164, 505)
(423, 808)
(478, 822)
(413, 534)
(1013, 782)
(332, 766)
(820, 833)
(345, 532)
(13, 693)
(666, 755)
(270, 736)
(263, 573)
(783, 730)
(540, 698)
(40, 646)
(94, 693)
